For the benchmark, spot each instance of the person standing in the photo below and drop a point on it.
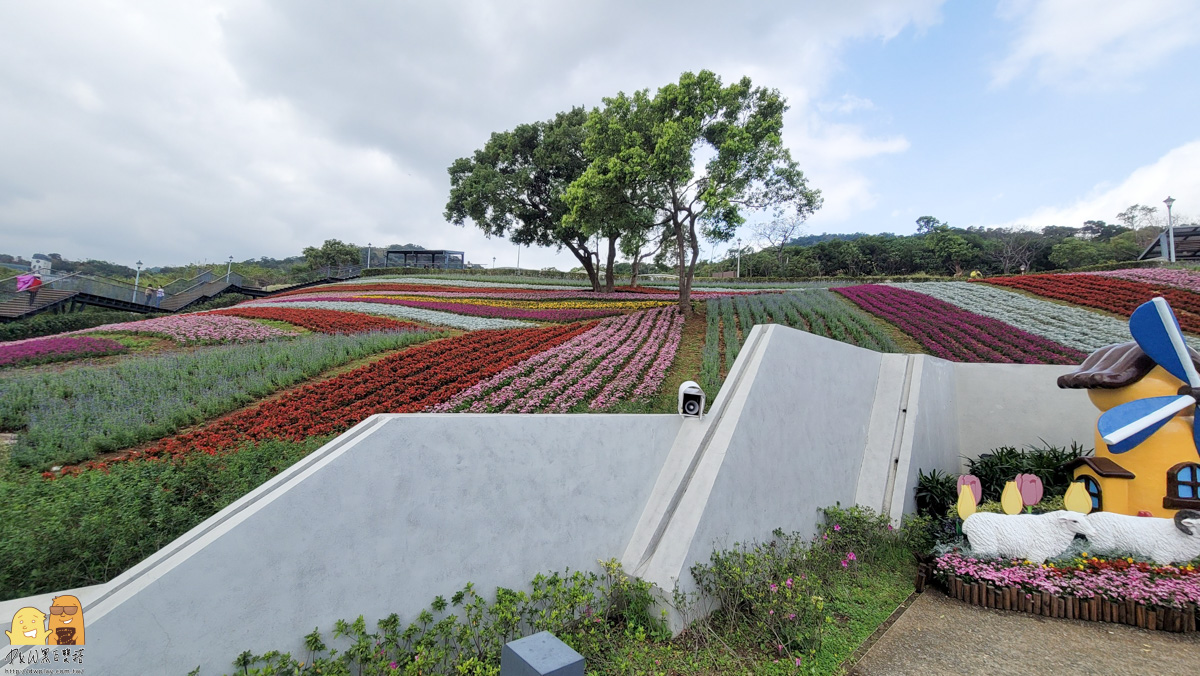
(33, 287)
(158, 297)
(149, 294)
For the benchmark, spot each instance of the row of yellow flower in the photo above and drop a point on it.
(568, 304)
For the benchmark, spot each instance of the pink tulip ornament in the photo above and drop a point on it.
(1031, 489)
(972, 481)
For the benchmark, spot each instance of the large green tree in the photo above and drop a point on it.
(645, 150)
(513, 186)
(334, 252)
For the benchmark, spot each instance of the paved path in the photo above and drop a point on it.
(939, 635)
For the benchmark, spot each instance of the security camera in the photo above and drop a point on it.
(691, 400)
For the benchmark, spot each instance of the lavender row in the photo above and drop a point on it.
(548, 315)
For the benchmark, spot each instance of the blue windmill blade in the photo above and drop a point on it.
(1157, 332)
(1130, 424)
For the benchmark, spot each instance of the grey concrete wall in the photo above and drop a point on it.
(797, 445)
(1019, 405)
(934, 442)
(418, 506)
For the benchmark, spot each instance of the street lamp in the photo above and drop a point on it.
(739, 270)
(518, 259)
(136, 278)
(493, 263)
(228, 269)
(1170, 227)
(368, 255)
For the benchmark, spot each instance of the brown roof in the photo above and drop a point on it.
(1101, 466)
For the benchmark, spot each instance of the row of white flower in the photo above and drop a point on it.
(404, 312)
(1072, 326)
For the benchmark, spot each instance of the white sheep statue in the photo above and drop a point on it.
(1036, 537)
(1163, 541)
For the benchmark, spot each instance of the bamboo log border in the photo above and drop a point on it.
(1045, 604)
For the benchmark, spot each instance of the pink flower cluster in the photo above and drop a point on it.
(199, 328)
(1152, 585)
(658, 352)
(1180, 279)
(557, 379)
(56, 348)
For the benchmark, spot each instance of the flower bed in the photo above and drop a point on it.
(402, 383)
(1180, 279)
(952, 333)
(321, 321)
(418, 314)
(1119, 296)
(1072, 326)
(558, 379)
(56, 348)
(198, 329)
(491, 311)
(1089, 588)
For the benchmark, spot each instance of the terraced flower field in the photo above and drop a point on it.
(270, 376)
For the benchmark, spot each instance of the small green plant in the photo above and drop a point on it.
(1003, 464)
(936, 492)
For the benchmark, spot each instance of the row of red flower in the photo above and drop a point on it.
(321, 321)
(405, 382)
(1119, 296)
(396, 286)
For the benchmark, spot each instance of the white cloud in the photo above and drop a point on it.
(848, 103)
(1094, 42)
(1176, 174)
(177, 132)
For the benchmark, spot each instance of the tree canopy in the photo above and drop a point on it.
(643, 152)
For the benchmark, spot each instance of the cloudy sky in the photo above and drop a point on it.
(179, 132)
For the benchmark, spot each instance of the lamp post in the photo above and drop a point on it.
(368, 255)
(739, 270)
(136, 278)
(1170, 227)
(493, 263)
(518, 259)
(228, 269)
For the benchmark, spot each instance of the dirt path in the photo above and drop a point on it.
(939, 635)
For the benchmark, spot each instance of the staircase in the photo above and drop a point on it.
(16, 305)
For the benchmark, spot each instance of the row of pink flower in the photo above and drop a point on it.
(1180, 279)
(56, 348)
(544, 315)
(1164, 586)
(631, 357)
(198, 328)
(658, 352)
(552, 376)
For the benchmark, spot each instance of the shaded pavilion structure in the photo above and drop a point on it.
(425, 258)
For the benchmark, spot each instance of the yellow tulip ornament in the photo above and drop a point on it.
(1010, 499)
(966, 502)
(1077, 498)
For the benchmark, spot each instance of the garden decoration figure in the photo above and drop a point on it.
(1030, 487)
(1035, 537)
(1163, 541)
(1147, 391)
(1010, 498)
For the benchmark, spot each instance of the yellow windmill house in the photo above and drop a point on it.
(1146, 459)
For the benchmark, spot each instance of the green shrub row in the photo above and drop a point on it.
(86, 529)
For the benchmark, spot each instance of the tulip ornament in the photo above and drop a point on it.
(1031, 490)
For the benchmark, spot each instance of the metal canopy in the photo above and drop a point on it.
(425, 258)
(1187, 245)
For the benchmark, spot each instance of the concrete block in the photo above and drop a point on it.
(540, 655)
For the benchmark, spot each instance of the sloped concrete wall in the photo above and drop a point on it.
(416, 507)
(797, 445)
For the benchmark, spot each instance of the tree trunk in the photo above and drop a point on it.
(685, 288)
(608, 269)
(584, 256)
(637, 261)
